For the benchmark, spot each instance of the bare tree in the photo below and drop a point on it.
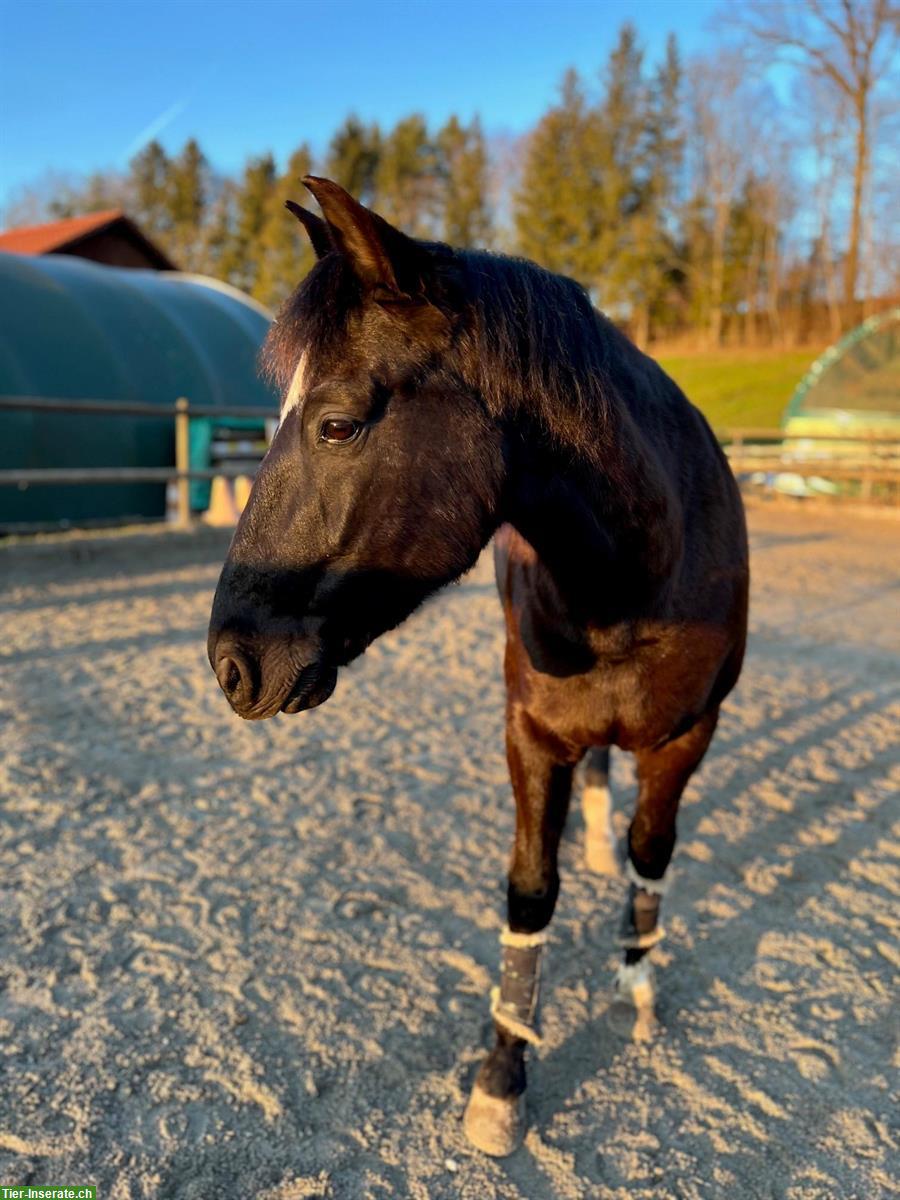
(57, 194)
(722, 134)
(850, 45)
(506, 154)
(833, 162)
(780, 203)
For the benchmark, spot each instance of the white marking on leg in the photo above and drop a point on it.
(636, 987)
(656, 887)
(523, 941)
(596, 804)
(635, 982)
(599, 839)
(297, 386)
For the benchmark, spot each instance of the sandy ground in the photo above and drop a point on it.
(253, 960)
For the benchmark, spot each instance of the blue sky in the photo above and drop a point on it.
(84, 82)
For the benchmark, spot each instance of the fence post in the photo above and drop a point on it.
(737, 452)
(183, 461)
(867, 469)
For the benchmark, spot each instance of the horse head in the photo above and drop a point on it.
(383, 480)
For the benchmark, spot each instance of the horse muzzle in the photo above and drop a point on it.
(262, 676)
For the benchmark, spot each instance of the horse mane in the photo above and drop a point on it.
(536, 347)
(530, 342)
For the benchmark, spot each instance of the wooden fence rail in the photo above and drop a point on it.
(779, 435)
(878, 462)
(131, 408)
(867, 458)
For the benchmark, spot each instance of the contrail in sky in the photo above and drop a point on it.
(165, 118)
(157, 126)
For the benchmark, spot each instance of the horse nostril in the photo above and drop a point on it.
(231, 673)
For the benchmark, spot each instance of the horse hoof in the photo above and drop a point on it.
(494, 1124)
(600, 857)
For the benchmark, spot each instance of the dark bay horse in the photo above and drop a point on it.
(434, 398)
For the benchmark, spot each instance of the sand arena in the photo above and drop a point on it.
(208, 991)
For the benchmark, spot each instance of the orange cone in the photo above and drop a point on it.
(222, 507)
(242, 486)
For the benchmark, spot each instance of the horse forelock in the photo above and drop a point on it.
(309, 321)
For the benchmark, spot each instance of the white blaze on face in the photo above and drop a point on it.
(297, 387)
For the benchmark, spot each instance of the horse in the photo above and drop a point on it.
(434, 398)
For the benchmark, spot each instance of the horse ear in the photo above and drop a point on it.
(319, 235)
(380, 254)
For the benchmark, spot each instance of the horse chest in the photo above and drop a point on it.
(626, 685)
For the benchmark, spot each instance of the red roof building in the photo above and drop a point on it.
(105, 237)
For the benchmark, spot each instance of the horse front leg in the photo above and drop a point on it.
(663, 773)
(541, 772)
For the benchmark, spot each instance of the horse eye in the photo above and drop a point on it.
(339, 429)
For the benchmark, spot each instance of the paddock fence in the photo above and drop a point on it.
(180, 473)
(863, 466)
(860, 466)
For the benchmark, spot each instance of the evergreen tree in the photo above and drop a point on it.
(555, 209)
(696, 256)
(352, 159)
(654, 254)
(406, 180)
(217, 252)
(102, 191)
(188, 186)
(621, 175)
(748, 257)
(149, 179)
(240, 260)
(283, 251)
(463, 162)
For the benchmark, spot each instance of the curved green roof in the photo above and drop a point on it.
(855, 382)
(76, 330)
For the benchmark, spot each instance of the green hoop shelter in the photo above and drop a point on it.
(854, 387)
(71, 329)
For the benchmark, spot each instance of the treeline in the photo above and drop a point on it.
(432, 185)
(672, 193)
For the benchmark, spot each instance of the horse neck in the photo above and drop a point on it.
(604, 519)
